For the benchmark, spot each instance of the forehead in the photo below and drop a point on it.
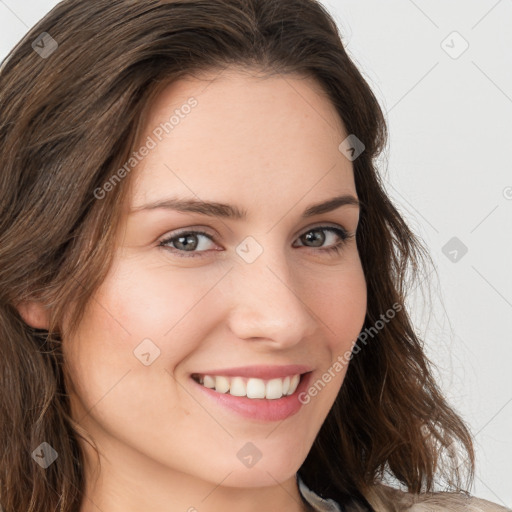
(247, 136)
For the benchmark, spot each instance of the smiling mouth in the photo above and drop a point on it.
(254, 388)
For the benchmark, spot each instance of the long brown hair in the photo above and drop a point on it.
(69, 119)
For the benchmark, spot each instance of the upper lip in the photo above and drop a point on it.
(259, 372)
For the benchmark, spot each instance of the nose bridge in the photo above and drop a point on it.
(265, 302)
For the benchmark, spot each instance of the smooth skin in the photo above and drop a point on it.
(268, 146)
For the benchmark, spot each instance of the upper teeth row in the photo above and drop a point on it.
(251, 388)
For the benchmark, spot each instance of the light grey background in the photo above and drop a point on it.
(449, 170)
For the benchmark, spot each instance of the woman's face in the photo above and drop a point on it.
(210, 293)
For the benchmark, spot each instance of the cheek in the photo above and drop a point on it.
(339, 301)
(135, 307)
(138, 302)
(153, 301)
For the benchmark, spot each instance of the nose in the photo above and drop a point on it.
(267, 303)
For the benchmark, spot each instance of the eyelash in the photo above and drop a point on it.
(333, 249)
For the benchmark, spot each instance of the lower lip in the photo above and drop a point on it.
(260, 408)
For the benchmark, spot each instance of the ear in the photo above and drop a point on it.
(34, 314)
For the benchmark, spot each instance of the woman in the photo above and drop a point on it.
(203, 280)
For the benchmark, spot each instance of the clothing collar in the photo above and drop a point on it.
(319, 504)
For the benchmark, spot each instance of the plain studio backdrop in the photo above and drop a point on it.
(442, 73)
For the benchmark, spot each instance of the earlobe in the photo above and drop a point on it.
(34, 314)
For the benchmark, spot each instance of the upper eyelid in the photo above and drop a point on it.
(205, 230)
(202, 231)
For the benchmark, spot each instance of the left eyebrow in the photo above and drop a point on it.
(330, 205)
(213, 209)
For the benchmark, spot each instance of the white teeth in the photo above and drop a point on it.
(256, 389)
(274, 389)
(208, 382)
(294, 382)
(286, 385)
(251, 388)
(237, 388)
(221, 384)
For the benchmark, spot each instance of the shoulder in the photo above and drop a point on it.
(456, 504)
(387, 499)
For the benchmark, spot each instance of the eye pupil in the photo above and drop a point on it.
(187, 243)
(317, 237)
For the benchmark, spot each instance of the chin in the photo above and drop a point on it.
(260, 475)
